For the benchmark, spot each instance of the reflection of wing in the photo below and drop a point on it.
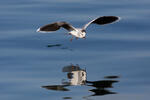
(100, 92)
(101, 87)
(102, 20)
(56, 87)
(102, 83)
(55, 26)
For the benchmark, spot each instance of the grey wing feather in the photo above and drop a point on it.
(55, 26)
(66, 26)
(102, 20)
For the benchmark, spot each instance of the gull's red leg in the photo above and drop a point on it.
(71, 39)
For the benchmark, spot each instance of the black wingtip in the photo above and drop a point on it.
(106, 20)
(49, 27)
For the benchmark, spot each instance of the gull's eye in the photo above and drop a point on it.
(83, 30)
(82, 34)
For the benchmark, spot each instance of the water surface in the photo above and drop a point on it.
(30, 60)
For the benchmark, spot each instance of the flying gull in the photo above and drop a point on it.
(77, 32)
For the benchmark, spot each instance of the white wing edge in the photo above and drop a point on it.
(86, 25)
(119, 18)
(38, 30)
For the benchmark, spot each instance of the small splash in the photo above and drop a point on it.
(67, 97)
(54, 45)
(59, 45)
(111, 77)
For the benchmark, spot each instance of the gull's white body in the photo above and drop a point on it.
(78, 33)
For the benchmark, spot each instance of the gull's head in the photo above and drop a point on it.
(82, 34)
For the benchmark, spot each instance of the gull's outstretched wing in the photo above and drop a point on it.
(102, 21)
(55, 26)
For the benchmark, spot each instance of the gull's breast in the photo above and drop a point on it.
(75, 33)
(78, 33)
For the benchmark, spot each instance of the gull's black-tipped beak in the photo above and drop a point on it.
(83, 31)
(84, 37)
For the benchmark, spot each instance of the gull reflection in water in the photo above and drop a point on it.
(77, 76)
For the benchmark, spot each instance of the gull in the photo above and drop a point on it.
(77, 32)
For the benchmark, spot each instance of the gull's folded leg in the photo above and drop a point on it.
(71, 39)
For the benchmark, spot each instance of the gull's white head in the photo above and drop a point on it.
(82, 34)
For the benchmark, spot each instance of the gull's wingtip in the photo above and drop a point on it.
(38, 30)
(119, 18)
(116, 18)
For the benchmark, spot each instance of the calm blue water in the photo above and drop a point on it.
(29, 60)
